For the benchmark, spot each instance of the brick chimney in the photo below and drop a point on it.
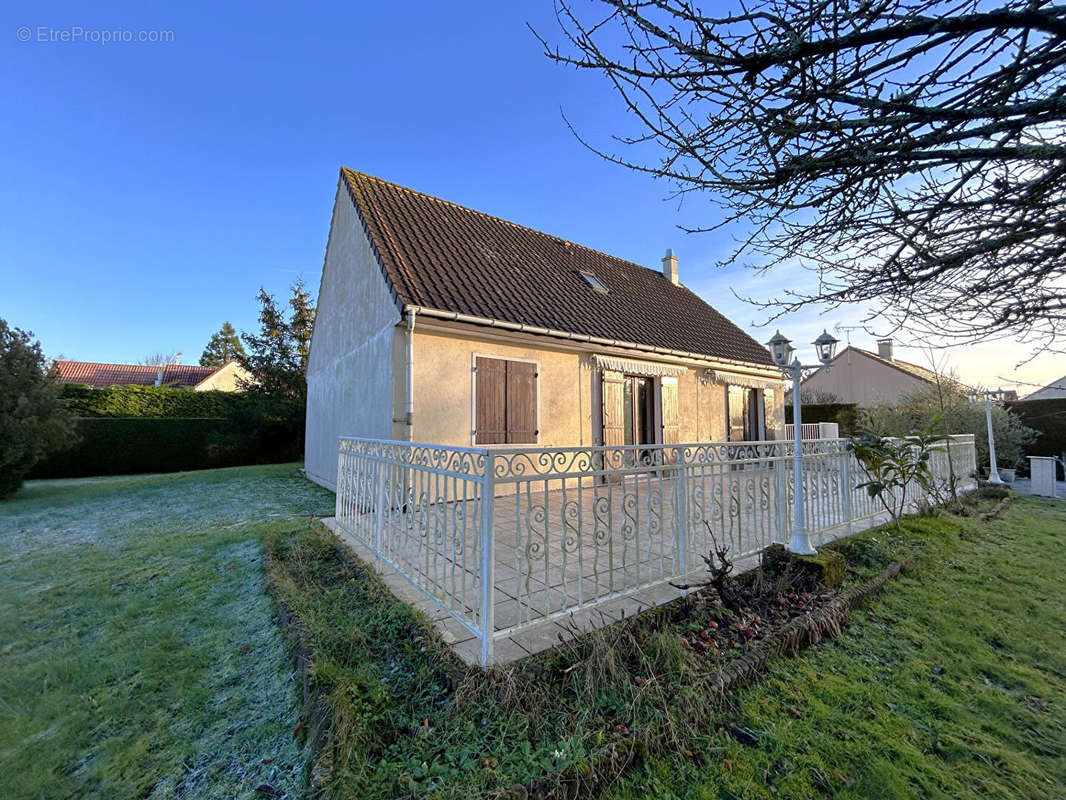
(884, 349)
(670, 266)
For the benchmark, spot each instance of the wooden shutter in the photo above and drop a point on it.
(614, 409)
(490, 392)
(614, 421)
(671, 418)
(521, 402)
(735, 419)
(769, 419)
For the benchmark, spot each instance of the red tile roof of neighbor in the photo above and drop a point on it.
(436, 254)
(100, 376)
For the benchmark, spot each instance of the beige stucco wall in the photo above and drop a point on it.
(225, 379)
(444, 382)
(857, 378)
(350, 372)
(568, 393)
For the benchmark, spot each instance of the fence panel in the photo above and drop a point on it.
(506, 538)
(419, 508)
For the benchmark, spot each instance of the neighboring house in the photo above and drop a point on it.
(865, 378)
(441, 324)
(180, 376)
(1056, 390)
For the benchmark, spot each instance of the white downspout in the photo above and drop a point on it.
(411, 314)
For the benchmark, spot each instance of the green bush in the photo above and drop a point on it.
(32, 421)
(1048, 418)
(915, 411)
(122, 446)
(147, 401)
(846, 415)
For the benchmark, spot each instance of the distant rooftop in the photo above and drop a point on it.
(100, 375)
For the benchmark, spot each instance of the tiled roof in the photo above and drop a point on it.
(440, 255)
(913, 369)
(100, 376)
(1053, 391)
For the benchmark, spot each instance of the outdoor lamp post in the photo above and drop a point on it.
(993, 471)
(783, 354)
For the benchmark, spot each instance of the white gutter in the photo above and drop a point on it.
(411, 313)
(577, 337)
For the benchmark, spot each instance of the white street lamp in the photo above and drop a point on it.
(993, 471)
(782, 352)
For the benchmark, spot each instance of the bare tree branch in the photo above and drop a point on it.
(911, 153)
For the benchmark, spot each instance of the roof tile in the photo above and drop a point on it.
(101, 375)
(440, 255)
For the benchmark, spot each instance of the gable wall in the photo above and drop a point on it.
(351, 371)
(860, 379)
(225, 380)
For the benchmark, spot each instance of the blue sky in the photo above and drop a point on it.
(151, 188)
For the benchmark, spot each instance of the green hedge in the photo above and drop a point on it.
(146, 401)
(123, 446)
(1048, 417)
(846, 415)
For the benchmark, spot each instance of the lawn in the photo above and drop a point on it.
(141, 655)
(951, 685)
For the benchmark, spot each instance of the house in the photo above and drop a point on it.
(865, 378)
(1056, 390)
(440, 324)
(180, 376)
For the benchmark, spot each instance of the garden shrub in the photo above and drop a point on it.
(916, 411)
(1048, 419)
(122, 446)
(846, 415)
(147, 401)
(32, 421)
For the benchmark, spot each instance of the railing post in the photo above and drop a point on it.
(338, 504)
(845, 478)
(781, 486)
(488, 578)
(682, 510)
(380, 506)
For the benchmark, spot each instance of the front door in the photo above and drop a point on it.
(743, 414)
(628, 416)
(639, 410)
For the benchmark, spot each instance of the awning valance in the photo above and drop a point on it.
(632, 366)
(747, 381)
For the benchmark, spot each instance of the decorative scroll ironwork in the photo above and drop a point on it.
(581, 525)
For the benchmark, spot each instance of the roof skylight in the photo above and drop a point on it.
(595, 282)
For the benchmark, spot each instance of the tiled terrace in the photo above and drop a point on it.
(575, 551)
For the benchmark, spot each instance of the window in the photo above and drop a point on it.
(505, 401)
(595, 282)
(743, 414)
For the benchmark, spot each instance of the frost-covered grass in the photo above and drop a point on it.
(139, 652)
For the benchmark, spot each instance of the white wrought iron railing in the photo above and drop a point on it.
(506, 538)
(813, 430)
